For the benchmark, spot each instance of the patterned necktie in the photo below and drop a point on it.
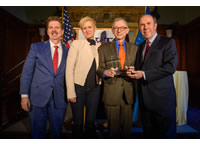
(147, 49)
(55, 59)
(121, 55)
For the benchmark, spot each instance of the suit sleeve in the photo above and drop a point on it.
(28, 70)
(102, 66)
(168, 64)
(70, 68)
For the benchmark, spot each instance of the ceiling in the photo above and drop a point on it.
(168, 14)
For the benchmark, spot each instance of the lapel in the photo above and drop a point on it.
(48, 56)
(128, 52)
(153, 47)
(113, 53)
(141, 49)
(63, 60)
(113, 48)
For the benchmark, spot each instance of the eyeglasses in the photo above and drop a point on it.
(120, 28)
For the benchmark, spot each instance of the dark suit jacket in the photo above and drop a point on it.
(114, 87)
(38, 79)
(157, 92)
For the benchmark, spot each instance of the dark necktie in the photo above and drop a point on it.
(121, 55)
(91, 41)
(147, 49)
(55, 59)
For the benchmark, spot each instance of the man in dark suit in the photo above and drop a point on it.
(156, 62)
(42, 85)
(119, 93)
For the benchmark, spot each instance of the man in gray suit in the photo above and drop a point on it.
(119, 94)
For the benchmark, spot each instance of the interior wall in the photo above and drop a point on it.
(177, 15)
(168, 14)
(13, 47)
(192, 39)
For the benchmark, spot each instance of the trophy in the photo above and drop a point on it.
(115, 62)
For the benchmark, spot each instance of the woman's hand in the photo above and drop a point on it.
(73, 100)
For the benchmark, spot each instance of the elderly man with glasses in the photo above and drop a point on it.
(119, 94)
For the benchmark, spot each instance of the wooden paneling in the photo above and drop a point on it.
(192, 41)
(177, 36)
(104, 15)
(188, 48)
(12, 53)
(15, 39)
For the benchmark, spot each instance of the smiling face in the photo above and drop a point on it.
(88, 29)
(147, 27)
(120, 29)
(55, 31)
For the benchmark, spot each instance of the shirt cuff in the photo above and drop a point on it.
(24, 95)
(144, 76)
(104, 76)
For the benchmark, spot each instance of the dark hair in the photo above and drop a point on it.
(55, 18)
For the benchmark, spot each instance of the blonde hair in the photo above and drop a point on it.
(55, 18)
(86, 19)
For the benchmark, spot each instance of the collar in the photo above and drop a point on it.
(117, 43)
(52, 44)
(91, 41)
(153, 38)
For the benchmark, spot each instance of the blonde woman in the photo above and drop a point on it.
(81, 80)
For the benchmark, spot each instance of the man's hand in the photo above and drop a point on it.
(110, 72)
(134, 74)
(73, 100)
(129, 69)
(25, 103)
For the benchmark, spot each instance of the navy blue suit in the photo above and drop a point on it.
(157, 95)
(46, 90)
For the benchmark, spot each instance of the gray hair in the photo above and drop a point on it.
(154, 18)
(119, 19)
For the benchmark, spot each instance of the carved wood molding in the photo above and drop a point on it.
(104, 15)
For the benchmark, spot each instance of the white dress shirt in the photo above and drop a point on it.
(59, 51)
(150, 42)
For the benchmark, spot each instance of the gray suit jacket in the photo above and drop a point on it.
(114, 87)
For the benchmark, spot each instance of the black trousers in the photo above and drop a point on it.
(157, 125)
(90, 99)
